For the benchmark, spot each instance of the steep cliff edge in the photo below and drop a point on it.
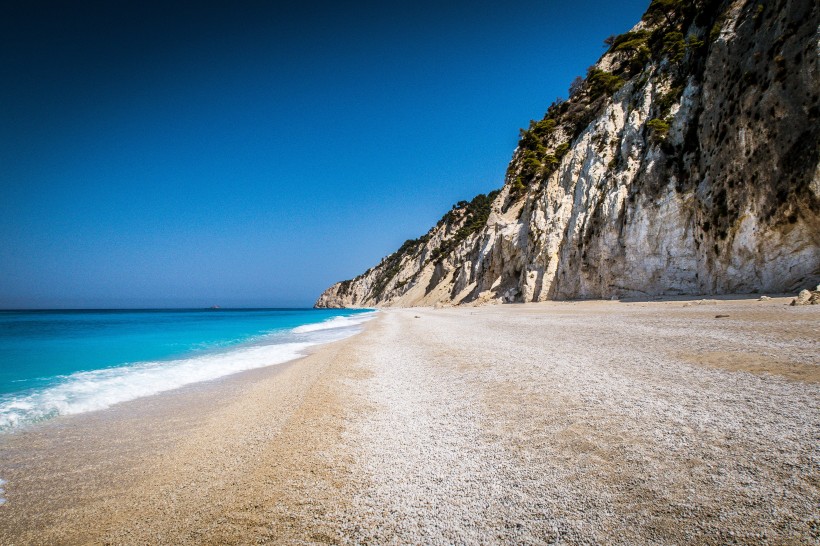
(687, 162)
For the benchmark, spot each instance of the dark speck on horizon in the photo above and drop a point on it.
(173, 154)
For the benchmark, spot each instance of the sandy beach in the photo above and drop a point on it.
(590, 422)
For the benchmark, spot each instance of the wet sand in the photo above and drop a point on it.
(567, 422)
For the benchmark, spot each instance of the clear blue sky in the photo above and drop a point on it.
(166, 154)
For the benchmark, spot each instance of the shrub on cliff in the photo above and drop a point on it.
(602, 83)
(659, 128)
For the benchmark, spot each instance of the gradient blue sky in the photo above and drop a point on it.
(167, 154)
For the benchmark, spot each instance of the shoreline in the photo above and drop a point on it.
(69, 380)
(588, 420)
(126, 440)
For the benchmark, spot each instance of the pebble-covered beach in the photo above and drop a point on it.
(673, 422)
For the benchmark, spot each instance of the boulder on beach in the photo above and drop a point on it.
(807, 297)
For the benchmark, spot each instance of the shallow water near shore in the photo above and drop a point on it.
(68, 362)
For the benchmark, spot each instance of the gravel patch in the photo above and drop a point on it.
(521, 425)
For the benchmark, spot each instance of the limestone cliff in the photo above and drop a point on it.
(685, 163)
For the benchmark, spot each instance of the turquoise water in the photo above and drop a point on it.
(64, 362)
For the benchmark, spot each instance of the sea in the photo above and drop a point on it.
(68, 362)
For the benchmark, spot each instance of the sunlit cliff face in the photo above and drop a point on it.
(685, 163)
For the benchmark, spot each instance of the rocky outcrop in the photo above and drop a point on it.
(687, 162)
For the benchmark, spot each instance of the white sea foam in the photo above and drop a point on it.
(99, 389)
(335, 322)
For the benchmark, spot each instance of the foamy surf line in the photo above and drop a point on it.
(335, 323)
(93, 390)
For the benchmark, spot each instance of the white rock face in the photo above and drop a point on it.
(726, 200)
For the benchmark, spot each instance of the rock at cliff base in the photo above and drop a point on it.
(807, 297)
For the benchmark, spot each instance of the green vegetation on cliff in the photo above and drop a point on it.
(475, 214)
